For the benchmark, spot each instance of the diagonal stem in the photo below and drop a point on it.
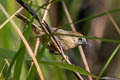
(44, 17)
(80, 47)
(30, 52)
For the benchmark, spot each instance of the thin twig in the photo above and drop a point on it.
(68, 17)
(80, 47)
(114, 22)
(1, 26)
(110, 17)
(38, 40)
(46, 11)
(44, 17)
(30, 52)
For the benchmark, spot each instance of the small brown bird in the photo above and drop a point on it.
(67, 42)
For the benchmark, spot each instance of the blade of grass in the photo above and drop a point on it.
(59, 73)
(3, 67)
(19, 62)
(102, 39)
(93, 17)
(87, 37)
(21, 52)
(9, 54)
(110, 17)
(10, 67)
(68, 67)
(6, 53)
(108, 62)
(32, 71)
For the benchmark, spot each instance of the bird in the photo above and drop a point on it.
(68, 40)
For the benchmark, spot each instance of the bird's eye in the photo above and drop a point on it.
(80, 39)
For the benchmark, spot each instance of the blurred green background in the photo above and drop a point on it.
(83, 15)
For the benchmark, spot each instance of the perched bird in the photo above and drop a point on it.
(67, 42)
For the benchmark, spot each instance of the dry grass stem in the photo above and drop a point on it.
(68, 16)
(38, 40)
(46, 11)
(111, 18)
(44, 17)
(113, 22)
(30, 52)
(80, 47)
(1, 26)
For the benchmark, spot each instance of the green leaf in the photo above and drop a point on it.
(19, 62)
(94, 17)
(108, 62)
(87, 37)
(39, 56)
(19, 57)
(102, 39)
(9, 54)
(69, 67)
(57, 1)
(10, 67)
(21, 52)
(6, 53)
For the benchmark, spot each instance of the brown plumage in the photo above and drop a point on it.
(67, 42)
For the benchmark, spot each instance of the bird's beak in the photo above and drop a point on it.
(82, 42)
(85, 42)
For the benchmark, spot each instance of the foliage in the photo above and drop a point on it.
(13, 50)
